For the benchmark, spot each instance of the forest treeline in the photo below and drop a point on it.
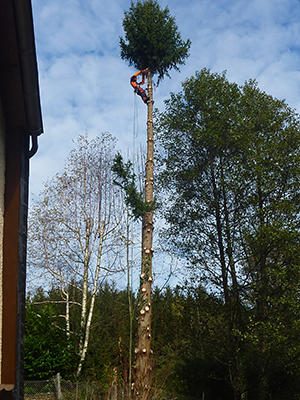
(227, 188)
(190, 343)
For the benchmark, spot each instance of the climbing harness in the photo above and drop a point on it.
(136, 86)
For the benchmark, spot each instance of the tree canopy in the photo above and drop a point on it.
(229, 179)
(228, 152)
(152, 39)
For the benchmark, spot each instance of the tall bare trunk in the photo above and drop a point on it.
(84, 348)
(67, 315)
(130, 311)
(85, 283)
(143, 350)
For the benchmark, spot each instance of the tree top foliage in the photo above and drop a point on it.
(152, 39)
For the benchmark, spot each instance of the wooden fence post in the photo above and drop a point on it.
(58, 387)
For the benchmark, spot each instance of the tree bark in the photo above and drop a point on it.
(84, 349)
(230, 297)
(85, 283)
(216, 206)
(143, 350)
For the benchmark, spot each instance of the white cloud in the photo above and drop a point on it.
(85, 85)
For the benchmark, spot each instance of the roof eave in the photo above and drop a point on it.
(28, 65)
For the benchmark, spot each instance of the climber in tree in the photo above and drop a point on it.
(133, 81)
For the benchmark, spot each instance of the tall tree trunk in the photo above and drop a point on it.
(85, 282)
(233, 313)
(84, 348)
(217, 210)
(143, 350)
(67, 314)
(230, 302)
(130, 306)
(262, 294)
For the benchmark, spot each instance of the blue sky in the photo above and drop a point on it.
(84, 84)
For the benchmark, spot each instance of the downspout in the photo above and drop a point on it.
(34, 146)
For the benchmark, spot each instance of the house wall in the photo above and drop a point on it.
(2, 187)
(18, 77)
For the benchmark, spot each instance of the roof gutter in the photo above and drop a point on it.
(29, 70)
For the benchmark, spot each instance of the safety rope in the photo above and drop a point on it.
(134, 136)
(135, 117)
(130, 239)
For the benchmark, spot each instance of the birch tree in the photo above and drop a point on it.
(75, 231)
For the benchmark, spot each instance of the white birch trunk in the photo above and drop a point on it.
(67, 315)
(91, 309)
(85, 285)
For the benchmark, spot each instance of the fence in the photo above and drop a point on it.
(57, 389)
(61, 390)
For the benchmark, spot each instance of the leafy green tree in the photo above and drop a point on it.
(47, 349)
(271, 226)
(189, 343)
(152, 41)
(199, 139)
(229, 177)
